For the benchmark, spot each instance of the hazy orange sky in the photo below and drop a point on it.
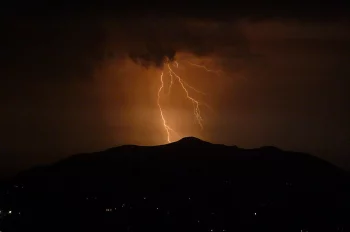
(71, 87)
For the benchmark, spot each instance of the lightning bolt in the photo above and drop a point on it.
(217, 72)
(196, 109)
(176, 64)
(185, 87)
(191, 87)
(165, 125)
(171, 80)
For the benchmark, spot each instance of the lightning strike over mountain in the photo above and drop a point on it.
(185, 87)
(166, 127)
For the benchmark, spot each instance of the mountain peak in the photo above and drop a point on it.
(191, 140)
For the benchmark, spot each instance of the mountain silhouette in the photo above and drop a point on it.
(190, 185)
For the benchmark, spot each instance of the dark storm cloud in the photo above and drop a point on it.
(153, 55)
(66, 49)
(151, 43)
(50, 50)
(70, 39)
(320, 10)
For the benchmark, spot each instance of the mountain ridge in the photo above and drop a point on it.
(190, 148)
(177, 185)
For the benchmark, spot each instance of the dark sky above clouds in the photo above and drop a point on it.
(80, 78)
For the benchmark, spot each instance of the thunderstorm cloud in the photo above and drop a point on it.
(70, 44)
(62, 49)
(149, 42)
(87, 82)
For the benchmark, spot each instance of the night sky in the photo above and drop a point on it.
(81, 78)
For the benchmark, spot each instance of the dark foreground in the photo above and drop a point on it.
(189, 185)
